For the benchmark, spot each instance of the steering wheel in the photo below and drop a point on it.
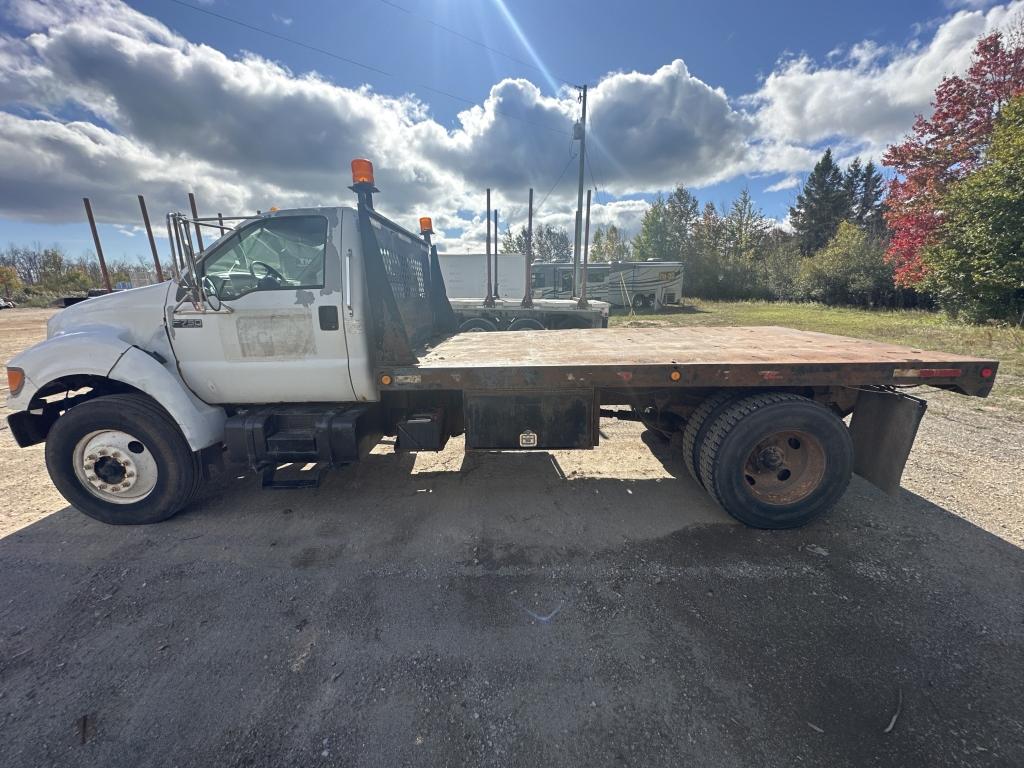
(269, 271)
(212, 293)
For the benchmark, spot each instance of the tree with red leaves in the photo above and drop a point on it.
(946, 148)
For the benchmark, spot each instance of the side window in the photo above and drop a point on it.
(280, 253)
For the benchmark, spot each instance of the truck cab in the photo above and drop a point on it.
(278, 317)
(136, 393)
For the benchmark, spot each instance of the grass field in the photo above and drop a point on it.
(928, 330)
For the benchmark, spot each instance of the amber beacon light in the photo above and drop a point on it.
(362, 171)
(426, 225)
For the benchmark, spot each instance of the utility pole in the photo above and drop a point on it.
(580, 133)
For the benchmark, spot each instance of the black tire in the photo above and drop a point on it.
(477, 325)
(526, 324)
(179, 473)
(745, 432)
(697, 427)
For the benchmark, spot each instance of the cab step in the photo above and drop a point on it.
(327, 435)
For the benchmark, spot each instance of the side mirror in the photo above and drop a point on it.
(212, 294)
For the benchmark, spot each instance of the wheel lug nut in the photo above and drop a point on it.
(116, 454)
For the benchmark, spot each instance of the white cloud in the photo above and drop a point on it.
(287, 21)
(169, 116)
(870, 96)
(790, 182)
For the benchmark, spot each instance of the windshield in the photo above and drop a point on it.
(283, 252)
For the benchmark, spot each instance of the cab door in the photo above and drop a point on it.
(273, 331)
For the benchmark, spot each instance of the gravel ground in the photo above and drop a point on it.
(590, 608)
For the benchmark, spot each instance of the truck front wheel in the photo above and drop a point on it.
(776, 460)
(122, 460)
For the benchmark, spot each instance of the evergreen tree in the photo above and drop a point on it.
(823, 203)
(870, 210)
(655, 240)
(853, 187)
(745, 232)
(683, 212)
(704, 277)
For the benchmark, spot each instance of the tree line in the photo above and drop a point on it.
(37, 276)
(833, 252)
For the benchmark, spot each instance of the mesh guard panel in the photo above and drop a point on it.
(406, 265)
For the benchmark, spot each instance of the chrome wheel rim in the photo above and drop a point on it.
(115, 466)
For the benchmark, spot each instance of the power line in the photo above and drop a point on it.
(590, 167)
(469, 39)
(568, 162)
(354, 62)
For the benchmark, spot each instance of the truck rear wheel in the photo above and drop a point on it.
(697, 427)
(776, 460)
(122, 460)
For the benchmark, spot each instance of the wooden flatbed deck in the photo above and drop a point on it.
(706, 356)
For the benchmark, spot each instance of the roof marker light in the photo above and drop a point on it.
(362, 171)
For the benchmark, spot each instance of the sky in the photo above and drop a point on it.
(251, 104)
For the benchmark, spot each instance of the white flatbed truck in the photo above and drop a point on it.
(306, 335)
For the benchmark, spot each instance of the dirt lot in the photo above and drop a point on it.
(521, 609)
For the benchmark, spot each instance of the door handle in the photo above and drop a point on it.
(348, 279)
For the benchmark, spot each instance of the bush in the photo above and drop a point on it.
(851, 269)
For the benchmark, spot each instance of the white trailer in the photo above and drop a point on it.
(637, 284)
(465, 279)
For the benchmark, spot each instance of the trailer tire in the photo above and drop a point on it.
(145, 471)
(776, 460)
(526, 324)
(477, 325)
(697, 427)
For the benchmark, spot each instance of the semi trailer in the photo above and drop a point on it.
(305, 336)
(510, 304)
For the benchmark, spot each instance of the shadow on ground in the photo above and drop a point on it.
(509, 614)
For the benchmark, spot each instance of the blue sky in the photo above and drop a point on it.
(110, 100)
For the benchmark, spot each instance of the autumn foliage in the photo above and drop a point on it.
(946, 148)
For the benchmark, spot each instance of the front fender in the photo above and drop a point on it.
(88, 352)
(98, 353)
(202, 424)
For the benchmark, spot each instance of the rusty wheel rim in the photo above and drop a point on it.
(785, 467)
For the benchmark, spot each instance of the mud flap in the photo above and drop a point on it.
(883, 427)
